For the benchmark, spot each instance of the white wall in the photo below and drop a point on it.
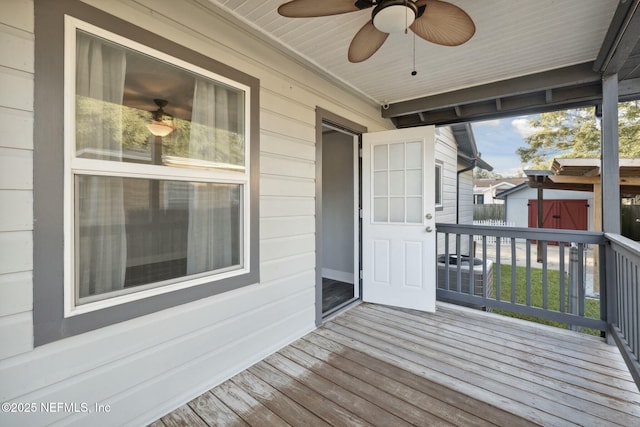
(446, 151)
(518, 211)
(145, 367)
(466, 196)
(16, 177)
(337, 206)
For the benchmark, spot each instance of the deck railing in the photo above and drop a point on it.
(577, 278)
(623, 266)
(540, 273)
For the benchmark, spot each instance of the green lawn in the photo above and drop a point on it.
(592, 306)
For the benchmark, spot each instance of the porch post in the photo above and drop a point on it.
(610, 189)
(610, 171)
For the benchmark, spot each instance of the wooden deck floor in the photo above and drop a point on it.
(375, 365)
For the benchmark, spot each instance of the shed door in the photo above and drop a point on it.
(398, 172)
(560, 214)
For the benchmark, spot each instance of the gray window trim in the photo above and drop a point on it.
(48, 288)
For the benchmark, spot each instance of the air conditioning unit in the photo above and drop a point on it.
(468, 266)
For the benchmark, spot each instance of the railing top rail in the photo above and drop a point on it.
(629, 247)
(552, 234)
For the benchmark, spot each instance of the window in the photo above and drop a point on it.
(398, 183)
(158, 198)
(438, 184)
(479, 199)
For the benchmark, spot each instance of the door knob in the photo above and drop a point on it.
(429, 229)
(428, 216)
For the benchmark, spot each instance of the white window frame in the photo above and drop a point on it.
(439, 173)
(80, 166)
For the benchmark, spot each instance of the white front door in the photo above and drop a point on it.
(398, 224)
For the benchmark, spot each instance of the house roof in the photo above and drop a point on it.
(505, 193)
(524, 57)
(494, 182)
(467, 149)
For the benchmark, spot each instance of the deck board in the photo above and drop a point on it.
(554, 381)
(215, 413)
(515, 381)
(377, 365)
(326, 409)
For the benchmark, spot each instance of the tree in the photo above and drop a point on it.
(484, 174)
(576, 133)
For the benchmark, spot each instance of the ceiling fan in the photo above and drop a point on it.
(436, 21)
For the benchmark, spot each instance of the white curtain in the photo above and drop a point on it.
(210, 237)
(100, 73)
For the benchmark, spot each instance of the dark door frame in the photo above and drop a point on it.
(324, 117)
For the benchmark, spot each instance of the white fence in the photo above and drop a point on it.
(494, 223)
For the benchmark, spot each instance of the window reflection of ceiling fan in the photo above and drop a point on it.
(433, 20)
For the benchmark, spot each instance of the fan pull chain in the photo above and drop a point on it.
(414, 72)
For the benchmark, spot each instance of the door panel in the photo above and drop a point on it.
(566, 214)
(398, 208)
(573, 214)
(548, 214)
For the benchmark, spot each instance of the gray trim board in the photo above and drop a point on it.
(610, 163)
(621, 39)
(573, 86)
(326, 117)
(48, 289)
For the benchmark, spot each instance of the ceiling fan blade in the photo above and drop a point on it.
(313, 8)
(443, 23)
(366, 42)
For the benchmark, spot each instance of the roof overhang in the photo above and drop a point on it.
(574, 86)
(581, 175)
(467, 149)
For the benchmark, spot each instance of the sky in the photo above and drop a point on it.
(497, 141)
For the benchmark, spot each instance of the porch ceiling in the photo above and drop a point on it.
(524, 57)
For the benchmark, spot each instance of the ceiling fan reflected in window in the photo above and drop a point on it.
(161, 123)
(436, 21)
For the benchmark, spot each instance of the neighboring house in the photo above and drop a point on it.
(564, 209)
(485, 190)
(137, 271)
(456, 156)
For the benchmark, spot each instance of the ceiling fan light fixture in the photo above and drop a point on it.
(160, 123)
(394, 16)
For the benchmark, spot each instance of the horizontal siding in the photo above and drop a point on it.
(147, 366)
(16, 210)
(277, 165)
(16, 178)
(14, 40)
(284, 247)
(278, 206)
(17, 293)
(17, 88)
(446, 151)
(274, 227)
(201, 353)
(16, 169)
(278, 144)
(466, 198)
(17, 14)
(293, 187)
(16, 335)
